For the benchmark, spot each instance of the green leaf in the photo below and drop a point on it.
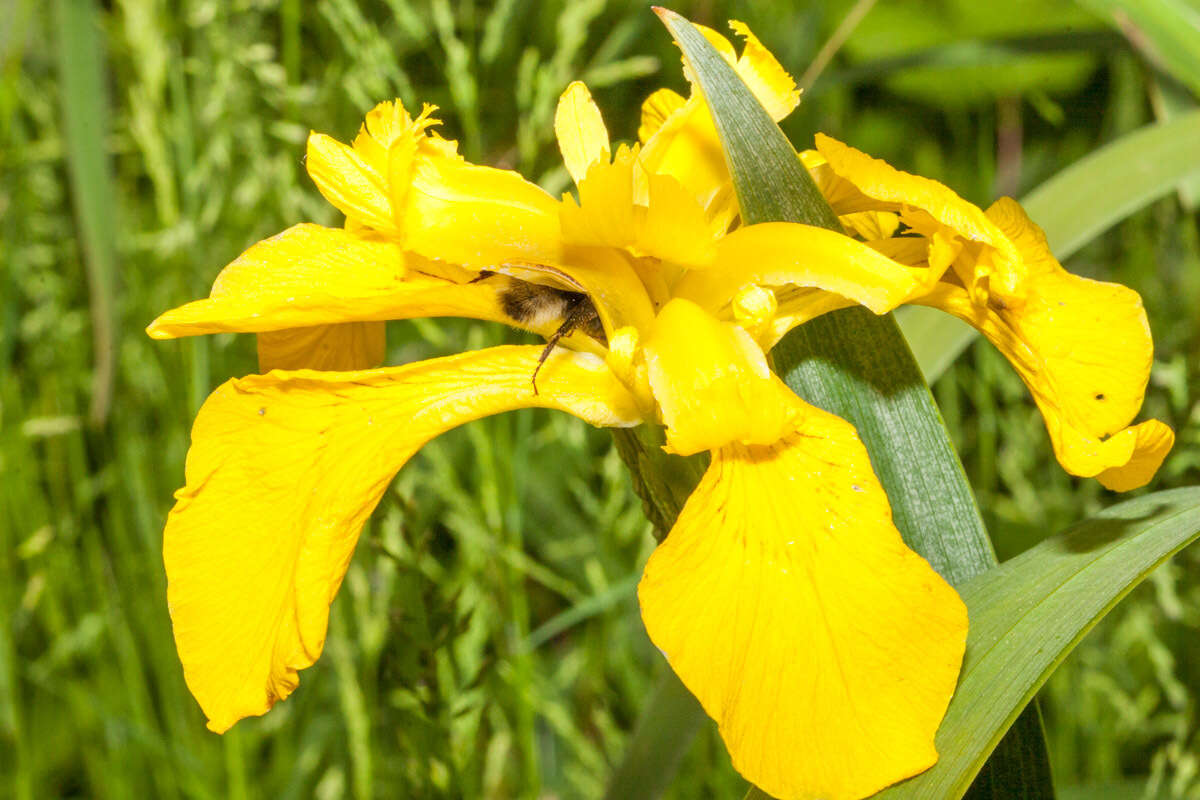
(1029, 612)
(857, 365)
(1164, 31)
(1073, 207)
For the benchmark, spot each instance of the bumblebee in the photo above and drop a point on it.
(538, 306)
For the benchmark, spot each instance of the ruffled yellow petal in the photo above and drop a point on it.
(785, 600)
(1083, 348)
(841, 195)
(897, 190)
(668, 224)
(309, 275)
(764, 75)
(782, 253)
(283, 471)
(582, 137)
(680, 138)
(711, 381)
(758, 68)
(344, 347)
(368, 181)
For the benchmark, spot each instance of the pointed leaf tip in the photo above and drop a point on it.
(665, 14)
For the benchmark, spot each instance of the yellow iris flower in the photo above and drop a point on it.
(783, 597)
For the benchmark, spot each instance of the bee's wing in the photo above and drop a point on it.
(540, 274)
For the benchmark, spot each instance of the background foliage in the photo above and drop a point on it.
(486, 641)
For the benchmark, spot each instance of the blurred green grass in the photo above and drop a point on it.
(486, 642)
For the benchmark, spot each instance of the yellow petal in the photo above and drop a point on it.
(1082, 347)
(369, 181)
(842, 195)
(350, 183)
(879, 180)
(764, 76)
(309, 275)
(582, 137)
(655, 110)
(1152, 441)
(711, 381)
(722, 45)
(669, 225)
(781, 253)
(680, 138)
(785, 600)
(871, 225)
(770, 83)
(688, 148)
(284, 470)
(797, 306)
(349, 346)
(478, 217)
(604, 275)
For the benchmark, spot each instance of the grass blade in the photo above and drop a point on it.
(85, 127)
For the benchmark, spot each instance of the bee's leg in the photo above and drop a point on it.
(567, 326)
(483, 275)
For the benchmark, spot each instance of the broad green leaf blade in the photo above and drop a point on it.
(1029, 612)
(1171, 101)
(1096, 192)
(859, 367)
(936, 338)
(1073, 207)
(1164, 31)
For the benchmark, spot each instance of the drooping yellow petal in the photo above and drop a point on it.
(711, 381)
(783, 253)
(582, 137)
(283, 471)
(310, 275)
(1083, 348)
(785, 600)
(1152, 441)
(897, 190)
(344, 347)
